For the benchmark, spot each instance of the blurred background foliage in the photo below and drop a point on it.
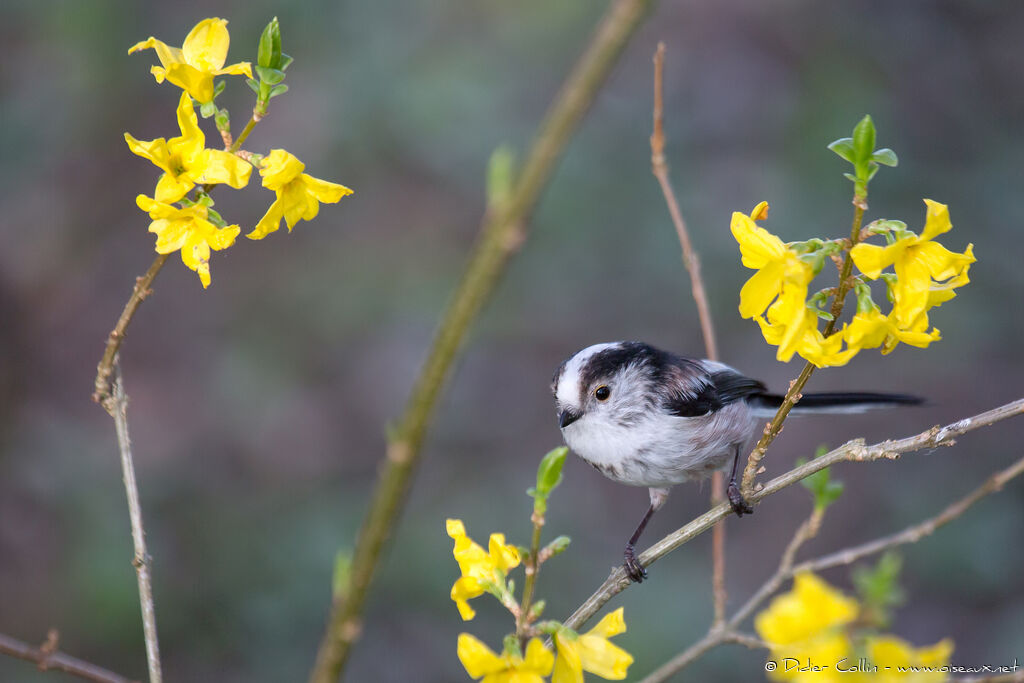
(259, 406)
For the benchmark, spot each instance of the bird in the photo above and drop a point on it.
(646, 417)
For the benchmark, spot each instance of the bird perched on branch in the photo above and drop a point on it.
(646, 417)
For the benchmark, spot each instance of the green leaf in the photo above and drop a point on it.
(286, 61)
(222, 119)
(537, 609)
(278, 90)
(863, 140)
(269, 75)
(557, 546)
(215, 218)
(886, 157)
(218, 87)
(844, 148)
(850, 176)
(549, 473)
(825, 492)
(208, 109)
(252, 83)
(879, 588)
(268, 53)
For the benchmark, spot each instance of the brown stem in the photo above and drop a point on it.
(659, 168)
(502, 232)
(105, 369)
(48, 658)
(854, 451)
(531, 569)
(141, 560)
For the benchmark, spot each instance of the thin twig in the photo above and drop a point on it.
(141, 560)
(659, 168)
(855, 451)
(847, 556)
(502, 233)
(531, 568)
(105, 369)
(48, 658)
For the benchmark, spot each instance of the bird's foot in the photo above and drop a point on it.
(634, 570)
(739, 504)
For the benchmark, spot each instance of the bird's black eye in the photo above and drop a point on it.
(602, 393)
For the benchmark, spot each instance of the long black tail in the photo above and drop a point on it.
(835, 402)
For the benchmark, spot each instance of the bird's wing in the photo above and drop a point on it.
(694, 389)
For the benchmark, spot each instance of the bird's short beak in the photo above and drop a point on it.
(567, 417)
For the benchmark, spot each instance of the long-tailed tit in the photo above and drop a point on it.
(646, 417)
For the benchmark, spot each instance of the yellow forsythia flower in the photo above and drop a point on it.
(890, 654)
(871, 329)
(480, 661)
(298, 194)
(185, 160)
(782, 277)
(806, 624)
(193, 66)
(926, 272)
(188, 230)
(592, 652)
(481, 571)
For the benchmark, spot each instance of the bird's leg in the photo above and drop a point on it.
(635, 570)
(739, 504)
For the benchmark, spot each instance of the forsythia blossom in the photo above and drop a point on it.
(591, 651)
(481, 661)
(185, 160)
(926, 272)
(193, 66)
(481, 571)
(298, 194)
(780, 286)
(813, 625)
(190, 231)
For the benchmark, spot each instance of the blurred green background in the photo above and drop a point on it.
(259, 406)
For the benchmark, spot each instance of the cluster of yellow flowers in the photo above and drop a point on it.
(192, 226)
(812, 636)
(926, 275)
(487, 572)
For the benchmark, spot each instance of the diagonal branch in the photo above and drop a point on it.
(855, 451)
(48, 658)
(503, 231)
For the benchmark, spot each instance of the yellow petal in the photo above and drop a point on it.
(280, 168)
(757, 246)
(464, 589)
(298, 204)
(477, 658)
(270, 222)
(612, 624)
(568, 667)
(170, 235)
(206, 46)
(170, 189)
(165, 53)
(504, 557)
(760, 212)
(759, 291)
(809, 609)
(871, 259)
(327, 192)
(942, 263)
(936, 220)
(538, 658)
(602, 658)
(217, 166)
(867, 330)
(196, 82)
(154, 150)
(236, 69)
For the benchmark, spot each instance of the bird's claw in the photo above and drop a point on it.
(739, 504)
(634, 570)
